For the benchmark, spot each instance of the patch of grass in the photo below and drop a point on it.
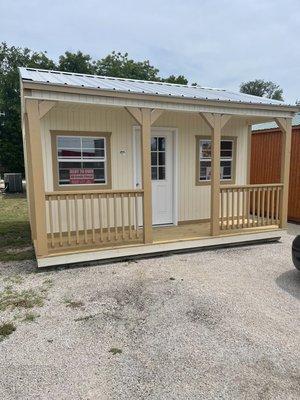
(13, 279)
(6, 329)
(30, 317)
(17, 256)
(73, 304)
(14, 227)
(10, 299)
(115, 350)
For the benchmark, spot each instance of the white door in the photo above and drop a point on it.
(162, 174)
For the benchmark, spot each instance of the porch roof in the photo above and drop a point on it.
(122, 85)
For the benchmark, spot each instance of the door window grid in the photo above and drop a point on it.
(81, 152)
(158, 158)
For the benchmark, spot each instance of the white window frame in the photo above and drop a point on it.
(82, 159)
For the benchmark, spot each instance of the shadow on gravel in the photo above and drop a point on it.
(289, 281)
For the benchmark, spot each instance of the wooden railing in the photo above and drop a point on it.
(250, 206)
(93, 218)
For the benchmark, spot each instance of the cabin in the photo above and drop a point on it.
(120, 168)
(266, 151)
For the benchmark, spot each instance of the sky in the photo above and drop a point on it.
(216, 43)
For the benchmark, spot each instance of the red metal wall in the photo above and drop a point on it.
(265, 164)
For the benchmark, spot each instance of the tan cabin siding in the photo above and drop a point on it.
(193, 201)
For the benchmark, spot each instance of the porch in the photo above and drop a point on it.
(112, 220)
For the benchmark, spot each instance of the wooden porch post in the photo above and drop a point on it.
(33, 112)
(216, 122)
(285, 124)
(146, 117)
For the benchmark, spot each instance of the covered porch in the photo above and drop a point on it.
(89, 224)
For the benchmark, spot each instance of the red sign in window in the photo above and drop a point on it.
(81, 176)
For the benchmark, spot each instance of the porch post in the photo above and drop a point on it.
(146, 117)
(37, 187)
(146, 173)
(285, 124)
(216, 122)
(215, 175)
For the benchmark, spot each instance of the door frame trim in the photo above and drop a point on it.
(174, 132)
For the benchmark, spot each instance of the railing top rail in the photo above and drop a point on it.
(263, 185)
(88, 192)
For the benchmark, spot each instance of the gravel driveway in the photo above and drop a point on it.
(220, 324)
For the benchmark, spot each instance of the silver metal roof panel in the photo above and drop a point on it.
(139, 86)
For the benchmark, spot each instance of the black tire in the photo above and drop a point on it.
(296, 252)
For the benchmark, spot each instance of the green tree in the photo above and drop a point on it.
(76, 62)
(180, 79)
(11, 148)
(120, 66)
(261, 88)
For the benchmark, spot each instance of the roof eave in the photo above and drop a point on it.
(28, 84)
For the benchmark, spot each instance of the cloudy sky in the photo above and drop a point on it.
(217, 43)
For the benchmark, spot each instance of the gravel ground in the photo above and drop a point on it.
(220, 324)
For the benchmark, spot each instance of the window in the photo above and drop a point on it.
(80, 160)
(158, 158)
(227, 156)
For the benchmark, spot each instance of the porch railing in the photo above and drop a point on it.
(93, 218)
(249, 206)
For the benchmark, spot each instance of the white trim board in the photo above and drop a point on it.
(157, 248)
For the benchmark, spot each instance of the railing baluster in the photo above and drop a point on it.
(268, 206)
(272, 206)
(222, 206)
(227, 209)
(238, 208)
(100, 217)
(115, 217)
(129, 216)
(59, 221)
(258, 207)
(277, 205)
(108, 217)
(263, 207)
(93, 218)
(136, 215)
(232, 210)
(84, 218)
(122, 216)
(51, 220)
(76, 218)
(68, 219)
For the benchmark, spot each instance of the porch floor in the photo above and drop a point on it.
(190, 231)
(161, 235)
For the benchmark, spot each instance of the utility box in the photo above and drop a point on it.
(13, 183)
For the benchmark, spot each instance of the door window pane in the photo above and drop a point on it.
(158, 158)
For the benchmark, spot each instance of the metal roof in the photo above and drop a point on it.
(139, 87)
(273, 125)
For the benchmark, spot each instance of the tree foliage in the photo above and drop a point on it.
(11, 149)
(76, 62)
(261, 88)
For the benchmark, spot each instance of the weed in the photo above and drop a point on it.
(6, 329)
(25, 299)
(13, 279)
(30, 317)
(73, 304)
(115, 350)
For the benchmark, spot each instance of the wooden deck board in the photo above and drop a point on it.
(161, 234)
